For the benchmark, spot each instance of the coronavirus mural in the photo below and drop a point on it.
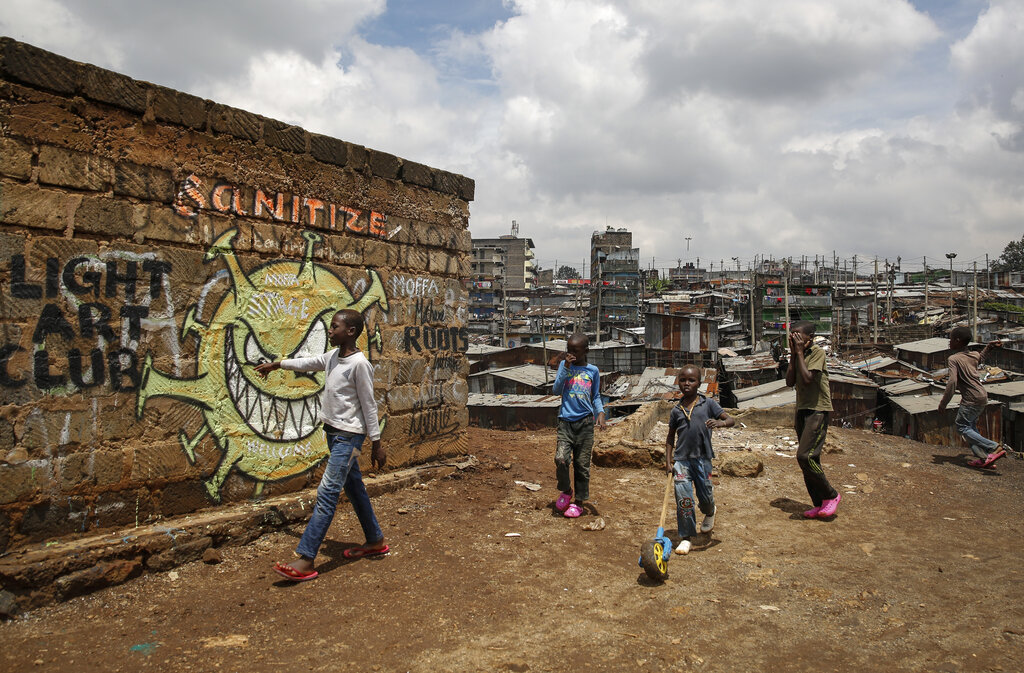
(265, 428)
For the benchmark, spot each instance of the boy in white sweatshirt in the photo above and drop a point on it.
(349, 414)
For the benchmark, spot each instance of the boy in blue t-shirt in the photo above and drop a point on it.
(688, 454)
(579, 384)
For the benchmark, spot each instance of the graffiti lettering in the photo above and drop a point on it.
(436, 338)
(225, 197)
(433, 423)
(81, 277)
(445, 366)
(424, 312)
(410, 286)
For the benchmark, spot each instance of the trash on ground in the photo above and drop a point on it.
(529, 485)
(596, 524)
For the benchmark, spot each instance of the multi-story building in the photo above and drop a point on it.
(498, 265)
(614, 279)
(806, 302)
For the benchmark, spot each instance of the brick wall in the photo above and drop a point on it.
(154, 245)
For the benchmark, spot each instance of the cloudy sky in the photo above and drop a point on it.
(791, 127)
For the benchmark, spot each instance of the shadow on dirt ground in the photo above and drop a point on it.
(920, 571)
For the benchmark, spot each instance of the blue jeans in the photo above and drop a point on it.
(342, 471)
(967, 425)
(695, 472)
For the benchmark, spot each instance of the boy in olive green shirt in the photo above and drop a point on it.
(813, 405)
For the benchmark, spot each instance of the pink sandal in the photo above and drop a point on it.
(573, 511)
(563, 501)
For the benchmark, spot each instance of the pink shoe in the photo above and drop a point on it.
(573, 511)
(829, 507)
(812, 513)
(993, 457)
(563, 501)
(977, 462)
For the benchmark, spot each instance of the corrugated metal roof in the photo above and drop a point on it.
(906, 387)
(779, 399)
(483, 349)
(921, 404)
(933, 345)
(489, 400)
(749, 363)
(531, 375)
(751, 392)
(838, 377)
(1011, 389)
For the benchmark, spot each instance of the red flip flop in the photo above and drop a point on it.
(993, 457)
(290, 573)
(362, 552)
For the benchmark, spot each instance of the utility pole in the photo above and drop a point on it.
(504, 315)
(753, 291)
(544, 343)
(785, 294)
(600, 285)
(925, 260)
(874, 304)
(988, 274)
(975, 330)
(890, 276)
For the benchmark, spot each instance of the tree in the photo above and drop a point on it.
(659, 285)
(566, 272)
(1012, 258)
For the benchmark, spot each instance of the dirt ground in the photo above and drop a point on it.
(919, 572)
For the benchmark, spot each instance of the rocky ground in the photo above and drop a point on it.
(920, 571)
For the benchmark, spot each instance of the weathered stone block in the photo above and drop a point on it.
(34, 66)
(327, 149)
(179, 554)
(384, 165)
(451, 183)
(78, 170)
(358, 156)
(161, 223)
(5, 538)
(174, 107)
(105, 574)
(15, 159)
(417, 174)
(144, 182)
(75, 471)
(283, 136)
(740, 465)
(22, 481)
(442, 262)
(181, 497)
(235, 122)
(113, 88)
(122, 508)
(29, 206)
(53, 518)
(104, 215)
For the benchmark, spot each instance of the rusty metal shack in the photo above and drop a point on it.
(513, 412)
(677, 340)
(520, 380)
(855, 400)
(918, 418)
(928, 354)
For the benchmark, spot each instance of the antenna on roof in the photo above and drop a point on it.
(515, 229)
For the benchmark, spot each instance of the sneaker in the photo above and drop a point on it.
(683, 548)
(708, 524)
(563, 501)
(573, 511)
(812, 513)
(829, 507)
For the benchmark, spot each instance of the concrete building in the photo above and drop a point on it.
(614, 279)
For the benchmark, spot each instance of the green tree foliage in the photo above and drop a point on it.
(659, 285)
(566, 272)
(1012, 258)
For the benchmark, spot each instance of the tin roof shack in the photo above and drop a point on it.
(1010, 394)
(928, 354)
(766, 396)
(607, 356)
(745, 371)
(854, 400)
(918, 418)
(677, 340)
(518, 380)
(1015, 414)
(513, 412)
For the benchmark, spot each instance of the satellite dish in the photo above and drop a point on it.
(511, 343)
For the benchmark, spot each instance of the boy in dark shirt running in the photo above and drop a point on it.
(963, 376)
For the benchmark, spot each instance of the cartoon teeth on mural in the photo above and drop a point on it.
(267, 429)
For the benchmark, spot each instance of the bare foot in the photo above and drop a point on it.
(302, 565)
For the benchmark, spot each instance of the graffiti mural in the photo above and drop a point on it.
(266, 429)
